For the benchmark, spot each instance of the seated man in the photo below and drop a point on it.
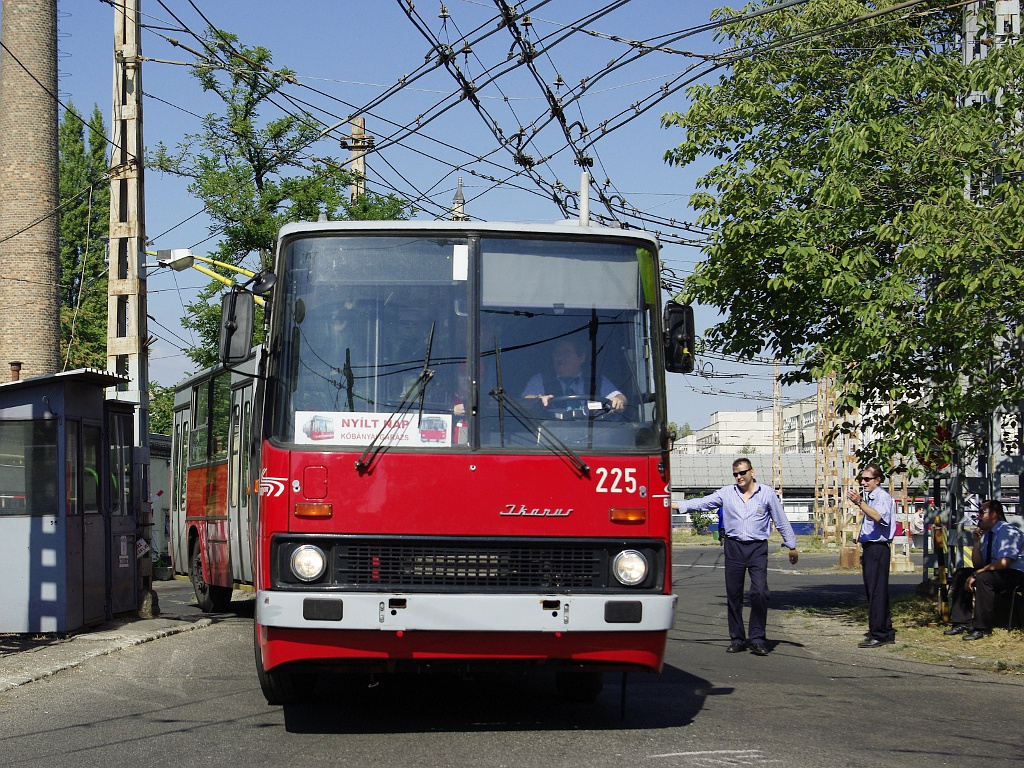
(998, 560)
(567, 358)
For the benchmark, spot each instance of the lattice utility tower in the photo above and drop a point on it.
(826, 472)
(777, 432)
(899, 489)
(127, 323)
(834, 467)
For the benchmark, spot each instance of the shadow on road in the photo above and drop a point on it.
(829, 595)
(495, 702)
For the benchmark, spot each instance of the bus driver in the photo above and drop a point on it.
(567, 358)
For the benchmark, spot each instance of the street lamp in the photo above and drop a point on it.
(180, 259)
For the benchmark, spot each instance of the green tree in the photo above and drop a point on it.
(84, 216)
(676, 432)
(252, 175)
(842, 236)
(161, 408)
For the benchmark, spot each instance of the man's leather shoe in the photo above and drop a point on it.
(758, 650)
(874, 642)
(956, 629)
(736, 646)
(975, 634)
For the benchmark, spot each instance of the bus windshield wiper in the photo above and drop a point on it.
(392, 423)
(426, 374)
(550, 439)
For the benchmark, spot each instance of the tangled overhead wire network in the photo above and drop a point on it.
(511, 97)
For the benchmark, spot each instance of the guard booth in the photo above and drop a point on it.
(67, 525)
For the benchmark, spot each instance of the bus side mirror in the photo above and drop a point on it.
(680, 338)
(236, 319)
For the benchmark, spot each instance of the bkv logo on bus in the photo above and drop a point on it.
(271, 486)
(511, 511)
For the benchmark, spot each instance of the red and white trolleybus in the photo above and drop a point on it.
(379, 474)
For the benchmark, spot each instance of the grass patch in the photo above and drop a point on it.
(690, 537)
(920, 633)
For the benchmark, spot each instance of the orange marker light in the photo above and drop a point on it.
(313, 509)
(628, 515)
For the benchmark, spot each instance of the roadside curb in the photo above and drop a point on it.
(45, 658)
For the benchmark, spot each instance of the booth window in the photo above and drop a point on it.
(92, 440)
(71, 461)
(121, 442)
(28, 468)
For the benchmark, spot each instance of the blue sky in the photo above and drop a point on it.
(347, 55)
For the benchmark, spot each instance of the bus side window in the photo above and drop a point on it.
(220, 416)
(197, 447)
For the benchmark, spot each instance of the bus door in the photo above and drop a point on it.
(179, 477)
(238, 491)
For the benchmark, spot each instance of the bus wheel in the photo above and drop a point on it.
(209, 598)
(578, 686)
(281, 685)
(271, 682)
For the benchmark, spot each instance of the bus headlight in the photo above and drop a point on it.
(308, 562)
(630, 567)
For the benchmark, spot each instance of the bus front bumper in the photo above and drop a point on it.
(465, 613)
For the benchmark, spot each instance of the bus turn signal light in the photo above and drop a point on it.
(628, 515)
(313, 509)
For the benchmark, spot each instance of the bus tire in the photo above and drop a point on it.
(281, 685)
(270, 683)
(578, 686)
(209, 598)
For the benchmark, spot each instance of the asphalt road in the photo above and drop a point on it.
(816, 700)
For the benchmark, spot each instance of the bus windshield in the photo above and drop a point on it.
(463, 343)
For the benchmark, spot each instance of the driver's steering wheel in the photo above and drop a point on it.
(562, 403)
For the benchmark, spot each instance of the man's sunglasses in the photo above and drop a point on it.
(740, 474)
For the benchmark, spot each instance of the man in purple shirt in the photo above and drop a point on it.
(876, 532)
(748, 510)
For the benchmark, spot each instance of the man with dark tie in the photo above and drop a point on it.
(876, 534)
(998, 567)
(570, 380)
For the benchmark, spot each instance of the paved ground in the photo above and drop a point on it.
(26, 657)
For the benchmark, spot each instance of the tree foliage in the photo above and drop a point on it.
(254, 175)
(83, 224)
(161, 408)
(676, 432)
(842, 236)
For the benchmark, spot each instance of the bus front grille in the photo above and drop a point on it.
(409, 566)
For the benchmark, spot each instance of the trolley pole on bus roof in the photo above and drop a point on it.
(585, 199)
